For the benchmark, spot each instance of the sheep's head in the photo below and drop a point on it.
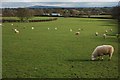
(93, 58)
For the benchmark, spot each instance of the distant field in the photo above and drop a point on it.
(101, 16)
(43, 53)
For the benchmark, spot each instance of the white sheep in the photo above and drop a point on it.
(117, 35)
(102, 50)
(96, 33)
(77, 33)
(111, 30)
(104, 36)
(32, 27)
(106, 31)
(16, 31)
(70, 30)
(48, 28)
(55, 28)
(12, 24)
(0, 24)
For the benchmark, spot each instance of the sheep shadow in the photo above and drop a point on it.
(81, 60)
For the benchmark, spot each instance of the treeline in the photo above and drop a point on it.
(8, 12)
(116, 12)
(24, 14)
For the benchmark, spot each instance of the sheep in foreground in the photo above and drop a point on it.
(77, 33)
(102, 50)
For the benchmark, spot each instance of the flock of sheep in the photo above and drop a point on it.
(105, 34)
(99, 51)
(76, 33)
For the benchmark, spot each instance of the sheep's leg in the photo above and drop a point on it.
(102, 57)
(98, 57)
(110, 56)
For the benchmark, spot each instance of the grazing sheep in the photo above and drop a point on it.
(106, 31)
(12, 24)
(16, 31)
(0, 24)
(102, 50)
(117, 35)
(111, 30)
(77, 33)
(96, 33)
(55, 28)
(48, 28)
(32, 27)
(70, 30)
(104, 36)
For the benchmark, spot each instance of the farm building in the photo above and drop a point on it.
(55, 14)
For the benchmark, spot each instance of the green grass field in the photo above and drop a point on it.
(43, 53)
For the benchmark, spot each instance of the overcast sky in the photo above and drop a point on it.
(68, 3)
(60, 0)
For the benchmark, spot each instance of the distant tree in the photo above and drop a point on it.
(116, 15)
(74, 12)
(48, 11)
(60, 11)
(66, 13)
(82, 13)
(8, 12)
(116, 12)
(89, 14)
(24, 14)
(38, 12)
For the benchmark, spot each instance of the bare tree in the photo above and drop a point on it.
(24, 14)
(74, 12)
(66, 13)
(89, 14)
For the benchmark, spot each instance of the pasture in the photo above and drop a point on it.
(43, 53)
